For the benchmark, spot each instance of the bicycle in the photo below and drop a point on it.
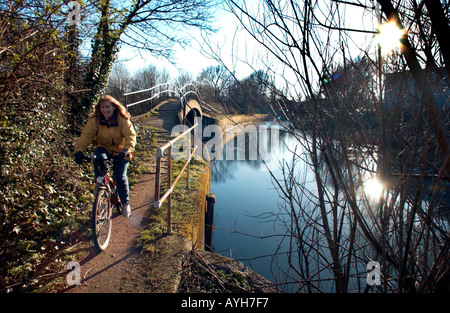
(106, 198)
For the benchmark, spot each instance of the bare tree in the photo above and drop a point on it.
(183, 79)
(350, 139)
(409, 53)
(119, 81)
(164, 76)
(214, 81)
(145, 78)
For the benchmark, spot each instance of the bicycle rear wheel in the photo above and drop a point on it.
(101, 220)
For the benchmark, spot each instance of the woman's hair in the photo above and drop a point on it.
(107, 98)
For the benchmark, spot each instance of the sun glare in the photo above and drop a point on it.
(389, 36)
(373, 188)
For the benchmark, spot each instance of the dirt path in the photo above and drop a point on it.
(117, 269)
(123, 267)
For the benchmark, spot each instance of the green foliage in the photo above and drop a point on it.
(42, 191)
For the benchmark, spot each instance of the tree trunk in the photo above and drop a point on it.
(420, 80)
(104, 50)
(440, 29)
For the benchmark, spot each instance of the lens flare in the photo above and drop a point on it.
(389, 36)
(373, 188)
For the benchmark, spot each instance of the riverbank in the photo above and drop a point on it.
(241, 119)
(179, 259)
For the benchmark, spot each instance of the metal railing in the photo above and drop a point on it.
(156, 92)
(184, 94)
(210, 110)
(191, 89)
(158, 201)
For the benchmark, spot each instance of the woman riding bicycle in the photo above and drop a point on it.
(110, 129)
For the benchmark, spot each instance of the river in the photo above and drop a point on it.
(247, 203)
(250, 223)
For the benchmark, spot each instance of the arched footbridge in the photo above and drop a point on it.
(174, 106)
(171, 102)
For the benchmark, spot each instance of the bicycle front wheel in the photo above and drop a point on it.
(101, 220)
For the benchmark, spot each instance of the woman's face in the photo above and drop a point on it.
(107, 109)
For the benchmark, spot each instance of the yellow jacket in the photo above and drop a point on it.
(115, 136)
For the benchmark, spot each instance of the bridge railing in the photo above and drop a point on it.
(190, 151)
(210, 110)
(191, 90)
(155, 92)
(185, 93)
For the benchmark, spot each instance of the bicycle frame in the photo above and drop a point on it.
(105, 181)
(106, 193)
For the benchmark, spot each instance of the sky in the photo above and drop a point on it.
(191, 59)
(188, 59)
(237, 48)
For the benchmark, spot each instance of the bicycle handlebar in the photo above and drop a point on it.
(92, 157)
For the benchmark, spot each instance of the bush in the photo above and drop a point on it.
(41, 188)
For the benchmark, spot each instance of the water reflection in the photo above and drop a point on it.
(373, 188)
(253, 221)
(247, 202)
(273, 147)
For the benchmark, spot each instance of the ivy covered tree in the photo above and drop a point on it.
(154, 26)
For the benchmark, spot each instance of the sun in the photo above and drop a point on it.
(373, 188)
(389, 36)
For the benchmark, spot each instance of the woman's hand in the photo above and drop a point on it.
(123, 154)
(79, 157)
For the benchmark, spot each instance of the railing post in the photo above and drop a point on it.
(169, 185)
(188, 155)
(157, 178)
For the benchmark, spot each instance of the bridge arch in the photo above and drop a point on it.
(192, 110)
(191, 103)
